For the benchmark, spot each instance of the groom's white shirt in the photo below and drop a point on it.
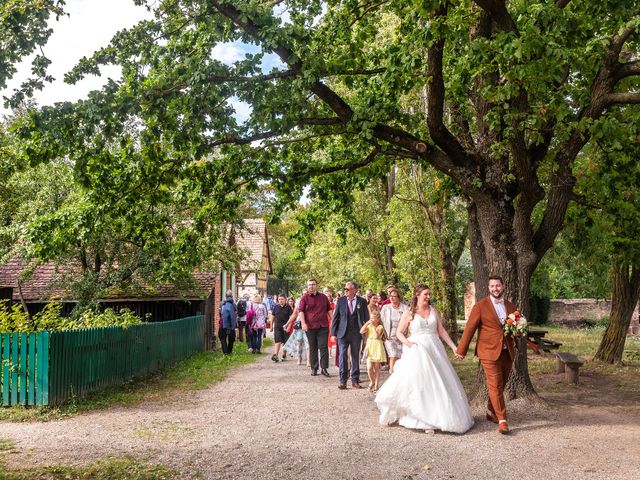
(500, 309)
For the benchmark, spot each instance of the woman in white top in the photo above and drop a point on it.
(259, 325)
(391, 314)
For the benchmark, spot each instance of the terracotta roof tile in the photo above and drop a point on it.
(253, 239)
(45, 284)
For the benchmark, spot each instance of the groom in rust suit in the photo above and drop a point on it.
(495, 351)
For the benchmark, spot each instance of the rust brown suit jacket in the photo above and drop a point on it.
(484, 319)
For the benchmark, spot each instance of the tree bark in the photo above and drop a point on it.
(478, 256)
(625, 295)
(492, 251)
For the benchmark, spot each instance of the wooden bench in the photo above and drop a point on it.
(569, 364)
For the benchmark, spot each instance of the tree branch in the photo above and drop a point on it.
(435, 103)
(617, 98)
(618, 40)
(334, 101)
(497, 9)
(628, 69)
(457, 167)
(348, 167)
(223, 79)
(373, 71)
(236, 140)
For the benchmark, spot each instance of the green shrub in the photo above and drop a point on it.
(14, 319)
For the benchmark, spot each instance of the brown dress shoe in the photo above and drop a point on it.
(491, 417)
(342, 386)
(503, 428)
(356, 385)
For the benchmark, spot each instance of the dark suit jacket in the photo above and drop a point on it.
(341, 316)
(484, 319)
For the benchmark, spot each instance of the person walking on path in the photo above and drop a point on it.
(241, 310)
(391, 313)
(350, 314)
(279, 317)
(375, 348)
(259, 325)
(424, 391)
(228, 323)
(328, 291)
(315, 307)
(495, 350)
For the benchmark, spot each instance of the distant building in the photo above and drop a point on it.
(255, 266)
(163, 302)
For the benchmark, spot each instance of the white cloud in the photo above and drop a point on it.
(229, 53)
(89, 26)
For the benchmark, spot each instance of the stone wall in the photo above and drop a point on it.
(580, 310)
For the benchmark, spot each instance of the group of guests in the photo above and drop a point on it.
(423, 390)
(249, 316)
(323, 320)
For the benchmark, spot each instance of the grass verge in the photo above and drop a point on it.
(599, 382)
(195, 373)
(117, 468)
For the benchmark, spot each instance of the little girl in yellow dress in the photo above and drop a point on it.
(375, 347)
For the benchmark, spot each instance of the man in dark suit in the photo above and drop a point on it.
(350, 313)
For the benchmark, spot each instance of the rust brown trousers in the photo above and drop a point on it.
(490, 349)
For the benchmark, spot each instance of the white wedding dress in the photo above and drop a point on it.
(424, 391)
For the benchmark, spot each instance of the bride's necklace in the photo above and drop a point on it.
(427, 311)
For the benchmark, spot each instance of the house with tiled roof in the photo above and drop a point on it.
(163, 302)
(253, 271)
(47, 283)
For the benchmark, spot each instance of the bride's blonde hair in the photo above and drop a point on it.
(417, 290)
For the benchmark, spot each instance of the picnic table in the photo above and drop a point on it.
(538, 343)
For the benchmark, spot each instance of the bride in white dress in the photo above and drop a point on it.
(424, 391)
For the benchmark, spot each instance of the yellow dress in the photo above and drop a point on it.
(375, 347)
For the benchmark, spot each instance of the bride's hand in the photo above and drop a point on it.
(410, 344)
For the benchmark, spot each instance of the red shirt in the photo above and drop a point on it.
(315, 308)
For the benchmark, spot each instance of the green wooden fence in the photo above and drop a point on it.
(25, 368)
(48, 368)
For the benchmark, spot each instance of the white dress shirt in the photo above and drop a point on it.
(501, 311)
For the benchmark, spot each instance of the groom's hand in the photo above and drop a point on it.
(458, 356)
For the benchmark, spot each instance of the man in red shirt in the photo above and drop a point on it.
(315, 309)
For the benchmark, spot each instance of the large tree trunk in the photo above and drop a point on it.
(493, 252)
(626, 291)
(478, 256)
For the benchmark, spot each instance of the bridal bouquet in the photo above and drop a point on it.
(516, 325)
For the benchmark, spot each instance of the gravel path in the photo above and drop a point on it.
(276, 421)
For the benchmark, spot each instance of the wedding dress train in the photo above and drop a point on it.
(424, 391)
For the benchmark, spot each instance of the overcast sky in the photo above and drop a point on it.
(88, 27)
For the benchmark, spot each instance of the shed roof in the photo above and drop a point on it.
(46, 282)
(45, 285)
